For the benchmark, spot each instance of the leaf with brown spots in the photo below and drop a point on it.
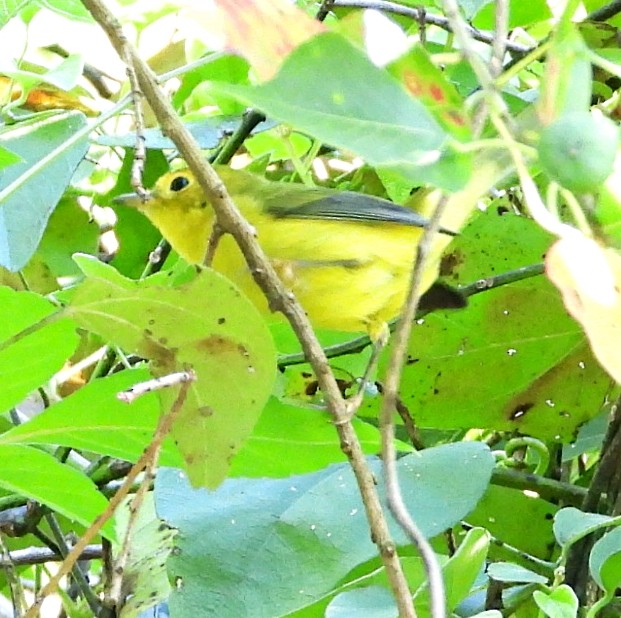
(180, 328)
(513, 360)
(426, 82)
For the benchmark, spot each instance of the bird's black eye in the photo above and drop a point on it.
(178, 183)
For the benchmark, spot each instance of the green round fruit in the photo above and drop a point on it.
(578, 150)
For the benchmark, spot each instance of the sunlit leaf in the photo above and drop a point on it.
(205, 325)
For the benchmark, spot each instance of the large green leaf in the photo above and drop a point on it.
(358, 106)
(513, 359)
(93, 419)
(70, 230)
(40, 476)
(204, 324)
(51, 147)
(305, 439)
(249, 547)
(29, 361)
(507, 512)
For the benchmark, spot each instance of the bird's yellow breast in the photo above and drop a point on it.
(347, 275)
(344, 279)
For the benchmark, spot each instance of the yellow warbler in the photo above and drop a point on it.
(347, 257)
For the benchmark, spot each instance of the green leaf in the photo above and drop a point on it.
(308, 529)
(425, 80)
(8, 157)
(560, 603)
(514, 573)
(27, 363)
(93, 419)
(277, 146)
(304, 439)
(150, 544)
(460, 572)
(73, 9)
(572, 524)
(204, 324)
(507, 512)
(370, 602)
(605, 561)
(69, 231)
(353, 103)
(29, 191)
(64, 76)
(39, 476)
(590, 437)
(465, 565)
(208, 132)
(194, 91)
(137, 236)
(521, 14)
(425, 485)
(546, 381)
(10, 8)
(568, 78)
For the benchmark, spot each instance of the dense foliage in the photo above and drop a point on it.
(244, 488)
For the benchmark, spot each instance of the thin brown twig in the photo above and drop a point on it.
(324, 9)
(12, 579)
(422, 25)
(387, 430)
(408, 421)
(148, 386)
(140, 150)
(39, 555)
(162, 430)
(214, 239)
(278, 297)
(78, 574)
(114, 598)
(501, 34)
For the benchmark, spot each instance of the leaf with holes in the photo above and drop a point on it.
(204, 324)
